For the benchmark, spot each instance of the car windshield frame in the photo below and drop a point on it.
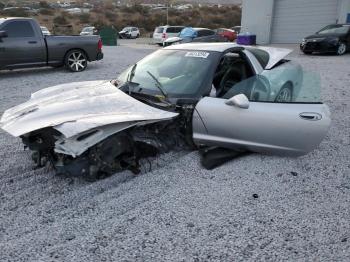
(88, 29)
(185, 82)
(333, 29)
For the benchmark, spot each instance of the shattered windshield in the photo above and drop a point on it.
(177, 72)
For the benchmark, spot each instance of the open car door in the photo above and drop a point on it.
(248, 119)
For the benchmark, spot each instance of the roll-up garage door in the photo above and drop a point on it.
(295, 19)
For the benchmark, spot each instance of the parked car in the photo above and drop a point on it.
(44, 30)
(129, 32)
(237, 29)
(22, 44)
(330, 39)
(229, 34)
(162, 33)
(89, 30)
(167, 100)
(189, 34)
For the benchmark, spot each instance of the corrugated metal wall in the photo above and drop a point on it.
(295, 19)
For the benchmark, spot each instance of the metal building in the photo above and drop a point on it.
(288, 21)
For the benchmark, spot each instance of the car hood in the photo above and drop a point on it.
(77, 107)
(316, 36)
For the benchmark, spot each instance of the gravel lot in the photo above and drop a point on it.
(180, 211)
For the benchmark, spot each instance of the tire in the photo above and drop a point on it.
(307, 52)
(341, 49)
(285, 95)
(75, 61)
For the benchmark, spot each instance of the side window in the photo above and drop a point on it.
(177, 29)
(278, 86)
(202, 33)
(19, 29)
(261, 55)
(170, 30)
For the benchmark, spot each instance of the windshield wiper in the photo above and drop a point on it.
(158, 85)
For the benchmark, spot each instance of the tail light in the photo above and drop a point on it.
(99, 45)
(164, 35)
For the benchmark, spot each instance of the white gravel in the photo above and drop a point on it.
(180, 211)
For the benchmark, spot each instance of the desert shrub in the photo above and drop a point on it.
(61, 20)
(44, 4)
(18, 12)
(110, 15)
(85, 18)
(46, 11)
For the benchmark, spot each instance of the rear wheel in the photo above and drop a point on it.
(76, 61)
(285, 94)
(341, 49)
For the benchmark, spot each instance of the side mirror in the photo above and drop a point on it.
(3, 34)
(240, 101)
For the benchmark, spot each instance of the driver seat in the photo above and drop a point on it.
(235, 74)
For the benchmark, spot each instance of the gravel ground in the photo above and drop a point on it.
(180, 211)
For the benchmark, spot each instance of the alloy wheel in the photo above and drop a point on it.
(77, 61)
(285, 95)
(341, 49)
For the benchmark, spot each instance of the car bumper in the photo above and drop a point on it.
(99, 56)
(319, 47)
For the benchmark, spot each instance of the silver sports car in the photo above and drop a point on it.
(192, 95)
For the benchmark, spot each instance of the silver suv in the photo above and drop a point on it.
(162, 33)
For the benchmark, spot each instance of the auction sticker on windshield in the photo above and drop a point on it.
(197, 54)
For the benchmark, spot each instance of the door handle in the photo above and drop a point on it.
(310, 116)
(32, 42)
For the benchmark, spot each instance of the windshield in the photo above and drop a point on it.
(126, 29)
(179, 72)
(88, 29)
(159, 30)
(273, 86)
(2, 20)
(334, 29)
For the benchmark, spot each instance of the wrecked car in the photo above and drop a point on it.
(205, 95)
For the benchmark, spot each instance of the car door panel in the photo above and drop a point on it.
(20, 50)
(277, 128)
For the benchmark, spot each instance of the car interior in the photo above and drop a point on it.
(232, 69)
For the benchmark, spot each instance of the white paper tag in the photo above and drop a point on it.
(197, 54)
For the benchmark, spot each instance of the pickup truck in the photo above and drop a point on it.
(22, 44)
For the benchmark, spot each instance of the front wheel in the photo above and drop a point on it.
(341, 49)
(307, 52)
(76, 61)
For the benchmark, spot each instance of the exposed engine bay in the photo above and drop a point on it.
(114, 152)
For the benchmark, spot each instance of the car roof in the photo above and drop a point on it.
(201, 28)
(276, 54)
(216, 47)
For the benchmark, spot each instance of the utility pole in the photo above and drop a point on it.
(167, 13)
